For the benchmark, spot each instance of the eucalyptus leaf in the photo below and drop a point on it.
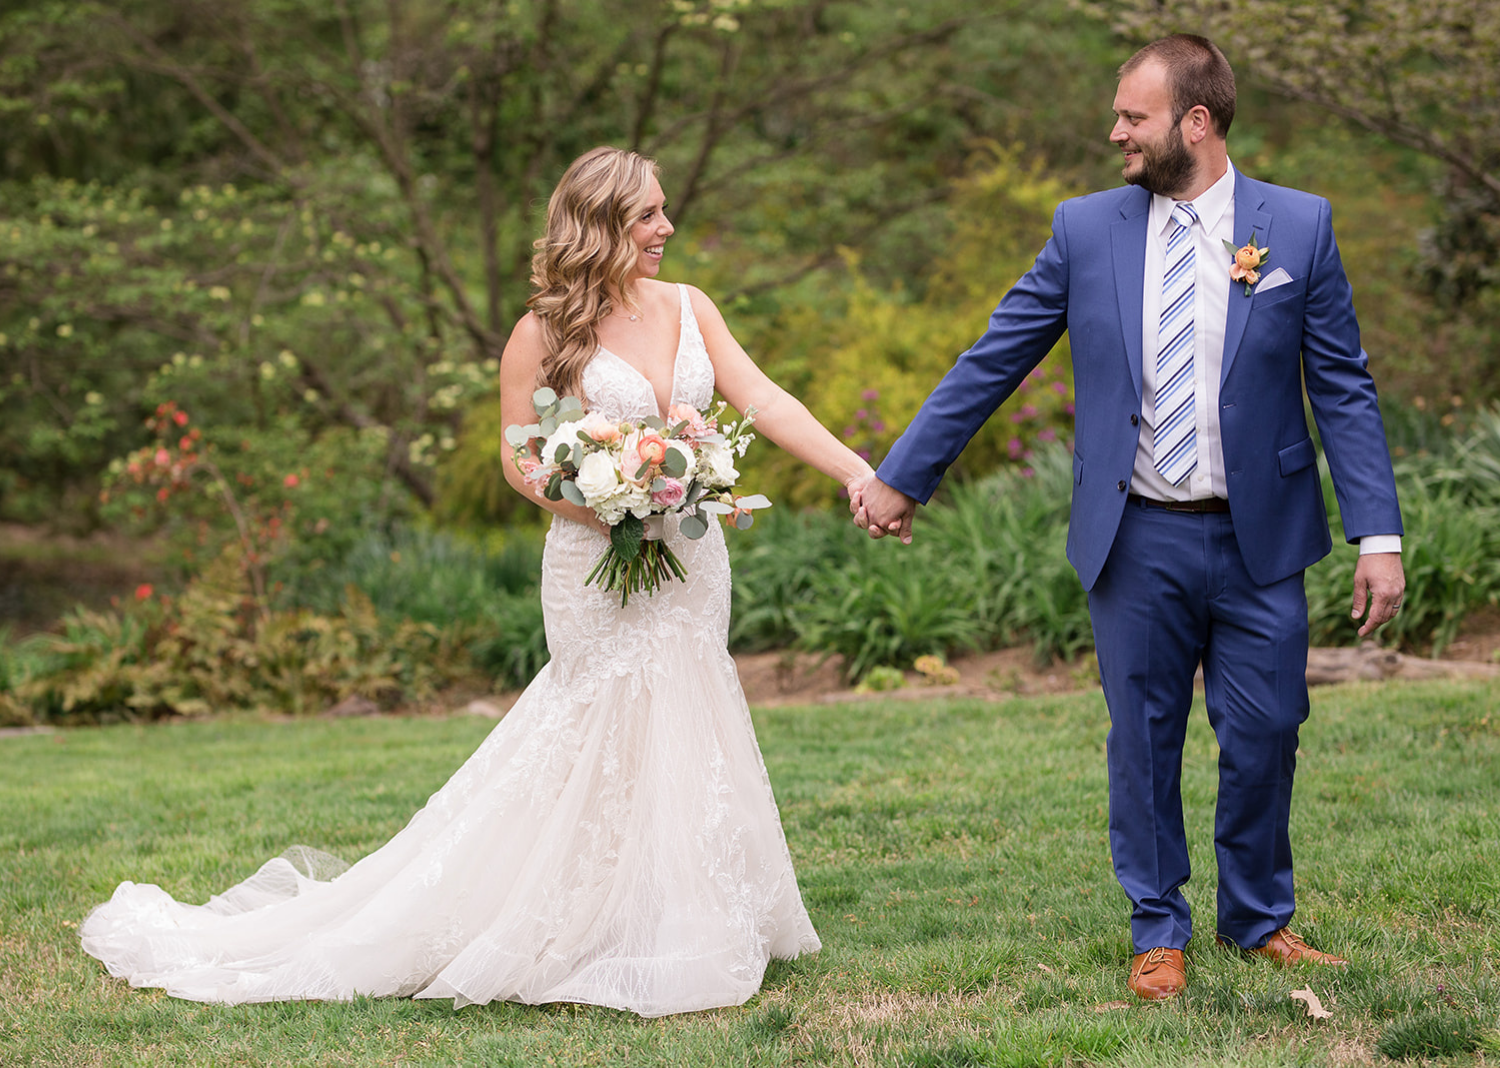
(547, 427)
(516, 436)
(560, 455)
(543, 398)
(674, 464)
(693, 526)
(754, 500)
(641, 471)
(573, 494)
(552, 492)
(743, 521)
(570, 406)
(655, 422)
(716, 507)
(657, 485)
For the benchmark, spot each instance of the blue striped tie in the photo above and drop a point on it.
(1176, 440)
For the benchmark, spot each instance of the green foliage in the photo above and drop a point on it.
(286, 211)
(866, 372)
(210, 651)
(987, 566)
(1449, 485)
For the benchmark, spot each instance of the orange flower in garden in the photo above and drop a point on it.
(143, 591)
(180, 418)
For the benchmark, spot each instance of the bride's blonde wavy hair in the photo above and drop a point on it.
(586, 253)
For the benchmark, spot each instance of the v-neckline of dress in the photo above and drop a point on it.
(676, 362)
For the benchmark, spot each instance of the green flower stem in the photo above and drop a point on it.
(656, 563)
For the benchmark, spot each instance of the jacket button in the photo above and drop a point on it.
(1135, 420)
(1120, 485)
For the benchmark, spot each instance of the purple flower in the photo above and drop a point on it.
(870, 394)
(878, 425)
(850, 431)
(1068, 407)
(862, 414)
(1046, 434)
(1014, 447)
(1017, 418)
(1027, 472)
(1061, 388)
(863, 454)
(1028, 410)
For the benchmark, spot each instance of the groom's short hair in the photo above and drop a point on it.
(1197, 72)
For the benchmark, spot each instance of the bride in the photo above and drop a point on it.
(614, 841)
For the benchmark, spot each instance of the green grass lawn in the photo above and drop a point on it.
(953, 855)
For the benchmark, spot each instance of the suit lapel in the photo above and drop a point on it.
(1249, 218)
(1128, 242)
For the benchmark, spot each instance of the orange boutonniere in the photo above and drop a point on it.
(1247, 262)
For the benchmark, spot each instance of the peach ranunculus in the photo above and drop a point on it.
(1246, 263)
(1248, 260)
(652, 447)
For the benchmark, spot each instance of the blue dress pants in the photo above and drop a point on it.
(1174, 593)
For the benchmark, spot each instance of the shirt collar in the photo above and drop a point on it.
(1210, 205)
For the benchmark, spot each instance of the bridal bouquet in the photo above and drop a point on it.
(632, 474)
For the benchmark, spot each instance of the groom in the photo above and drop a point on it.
(1196, 497)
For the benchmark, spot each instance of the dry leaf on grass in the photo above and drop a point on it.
(1110, 1006)
(1315, 1007)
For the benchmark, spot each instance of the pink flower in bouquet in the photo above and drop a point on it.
(600, 429)
(671, 494)
(697, 426)
(652, 447)
(528, 465)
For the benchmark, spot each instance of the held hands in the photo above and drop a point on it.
(1379, 582)
(881, 509)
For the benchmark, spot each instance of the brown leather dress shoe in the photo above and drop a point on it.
(1287, 947)
(1158, 974)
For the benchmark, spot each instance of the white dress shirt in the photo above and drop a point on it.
(1211, 294)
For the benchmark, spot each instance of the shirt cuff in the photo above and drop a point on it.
(1379, 543)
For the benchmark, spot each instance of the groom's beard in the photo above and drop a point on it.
(1166, 168)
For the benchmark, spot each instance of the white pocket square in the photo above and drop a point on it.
(1278, 277)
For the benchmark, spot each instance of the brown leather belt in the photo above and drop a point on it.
(1207, 504)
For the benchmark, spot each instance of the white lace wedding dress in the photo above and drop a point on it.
(614, 841)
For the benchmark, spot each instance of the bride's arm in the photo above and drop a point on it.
(520, 364)
(778, 415)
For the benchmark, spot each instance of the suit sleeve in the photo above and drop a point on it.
(1342, 394)
(1029, 320)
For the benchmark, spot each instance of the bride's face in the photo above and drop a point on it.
(649, 233)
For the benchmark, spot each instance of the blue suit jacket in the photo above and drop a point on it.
(1088, 281)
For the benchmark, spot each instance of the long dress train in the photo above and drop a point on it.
(614, 841)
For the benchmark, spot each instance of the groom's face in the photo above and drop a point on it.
(1156, 156)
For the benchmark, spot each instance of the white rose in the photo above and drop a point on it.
(716, 465)
(566, 434)
(597, 477)
(687, 457)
